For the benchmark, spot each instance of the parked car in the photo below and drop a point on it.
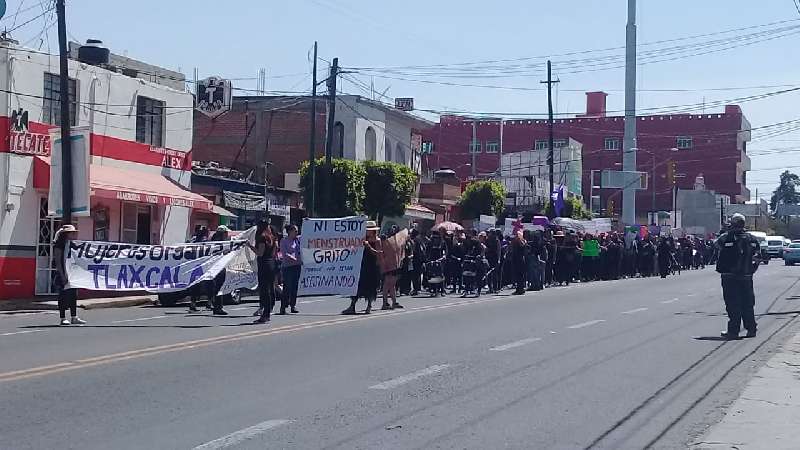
(791, 254)
(761, 237)
(775, 246)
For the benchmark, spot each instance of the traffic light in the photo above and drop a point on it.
(671, 172)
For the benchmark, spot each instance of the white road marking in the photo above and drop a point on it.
(312, 301)
(690, 295)
(241, 435)
(670, 301)
(634, 311)
(509, 346)
(585, 324)
(20, 332)
(399, 381)
(552, 332)
(139, 319)
(240, 308)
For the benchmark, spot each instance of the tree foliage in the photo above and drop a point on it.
(344, 197)
(388, 188)
(786, 193)
(483, 197)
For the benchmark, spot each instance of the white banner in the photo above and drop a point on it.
(109, 266)
(332, 250)
(242, 271)
(79, 137)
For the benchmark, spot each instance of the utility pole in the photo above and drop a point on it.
(331, 124)
(550, 139)
(312, 154)
(629, 140)
(473, 149)
(66, 142)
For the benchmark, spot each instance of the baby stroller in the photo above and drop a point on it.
(433, 279)
(470, 276)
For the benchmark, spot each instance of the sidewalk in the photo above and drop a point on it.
(767, 413)
(18, 306)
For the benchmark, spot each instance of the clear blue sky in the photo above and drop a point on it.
(236, 38)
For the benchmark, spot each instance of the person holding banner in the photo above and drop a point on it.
(291, 260)
(370, 271)
(265, 250)
(67, 298)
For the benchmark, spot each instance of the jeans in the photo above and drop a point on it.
(739, 302)
(67, 298)
(291, 278)
(266, 287)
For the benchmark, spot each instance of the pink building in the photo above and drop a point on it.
(714, 145)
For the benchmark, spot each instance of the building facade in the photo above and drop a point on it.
(712, 144)
(140, 136)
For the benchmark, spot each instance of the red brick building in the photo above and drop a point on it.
(714, 145)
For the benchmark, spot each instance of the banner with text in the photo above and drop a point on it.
(109, 266)
(332, 250)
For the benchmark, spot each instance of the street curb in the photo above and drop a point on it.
(123, 303)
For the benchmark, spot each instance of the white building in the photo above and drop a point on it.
(369, 130)
(140, 135)
(526, 173)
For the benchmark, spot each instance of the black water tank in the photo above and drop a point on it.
(93, 53)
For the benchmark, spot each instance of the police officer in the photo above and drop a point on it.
(738, 260)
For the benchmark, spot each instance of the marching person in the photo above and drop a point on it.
(67, 298)
(518, 262)
(738, 261)
(370, 271)
(417, 261)
(213, 286)
(291, 262)
(265, 250)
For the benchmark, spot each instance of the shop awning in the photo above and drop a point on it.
(220, 211)
(418, 211)
(128, 185)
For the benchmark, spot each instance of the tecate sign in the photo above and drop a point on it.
(214, 96)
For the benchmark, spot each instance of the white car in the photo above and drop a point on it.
(775, 246)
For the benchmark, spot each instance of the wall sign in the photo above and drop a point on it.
(171, 158)
(214, 96)
(22, 141)
(404, 103)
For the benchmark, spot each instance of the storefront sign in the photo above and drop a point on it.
(171, 158)
(332, 250)
(152, 199)
(109, 266)
(22, 141)
(279, 210)
(214, 96)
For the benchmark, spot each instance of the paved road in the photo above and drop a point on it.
(624, 364)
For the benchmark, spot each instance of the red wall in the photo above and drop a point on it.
(714, 152)
(18, 277)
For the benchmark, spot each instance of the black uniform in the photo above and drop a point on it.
(738, 260)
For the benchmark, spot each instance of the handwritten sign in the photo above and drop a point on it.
(332, 250)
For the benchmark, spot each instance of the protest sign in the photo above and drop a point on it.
(331, 250)
(109, 266)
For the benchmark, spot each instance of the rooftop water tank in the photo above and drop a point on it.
(93, 53)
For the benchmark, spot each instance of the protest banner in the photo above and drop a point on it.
(242, 270)
(331, 250)
(111, 266)
(393, 249)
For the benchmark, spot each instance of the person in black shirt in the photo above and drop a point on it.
(265, 250)
(67, 298)
(738, 261)
(417, 261)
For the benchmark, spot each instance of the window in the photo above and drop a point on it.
(150, 121)
(370, 144)
(683, 142)
(338, 139)
(136, 222)
(559, 143)
(611, 144)
(540, 144)
(475, 147)
(51, 108)
(492, 147)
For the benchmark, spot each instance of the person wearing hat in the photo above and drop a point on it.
(370, 271)
(265, 248)
(67, 298)
(738, 261)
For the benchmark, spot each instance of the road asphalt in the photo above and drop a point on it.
(614, 365)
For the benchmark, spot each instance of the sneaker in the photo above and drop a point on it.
(258, 312)
(385, 307)
(750, 334)
(220, 312)
(262, 320)
(729, 337)
(65, 321)
(76, 321)
(397, 306)
(349, 312)
(294, 310)
(193, 309)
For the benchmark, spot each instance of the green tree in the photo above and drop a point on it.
(345, 196)
(388, 188)
(483, 197)
(786, 193)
